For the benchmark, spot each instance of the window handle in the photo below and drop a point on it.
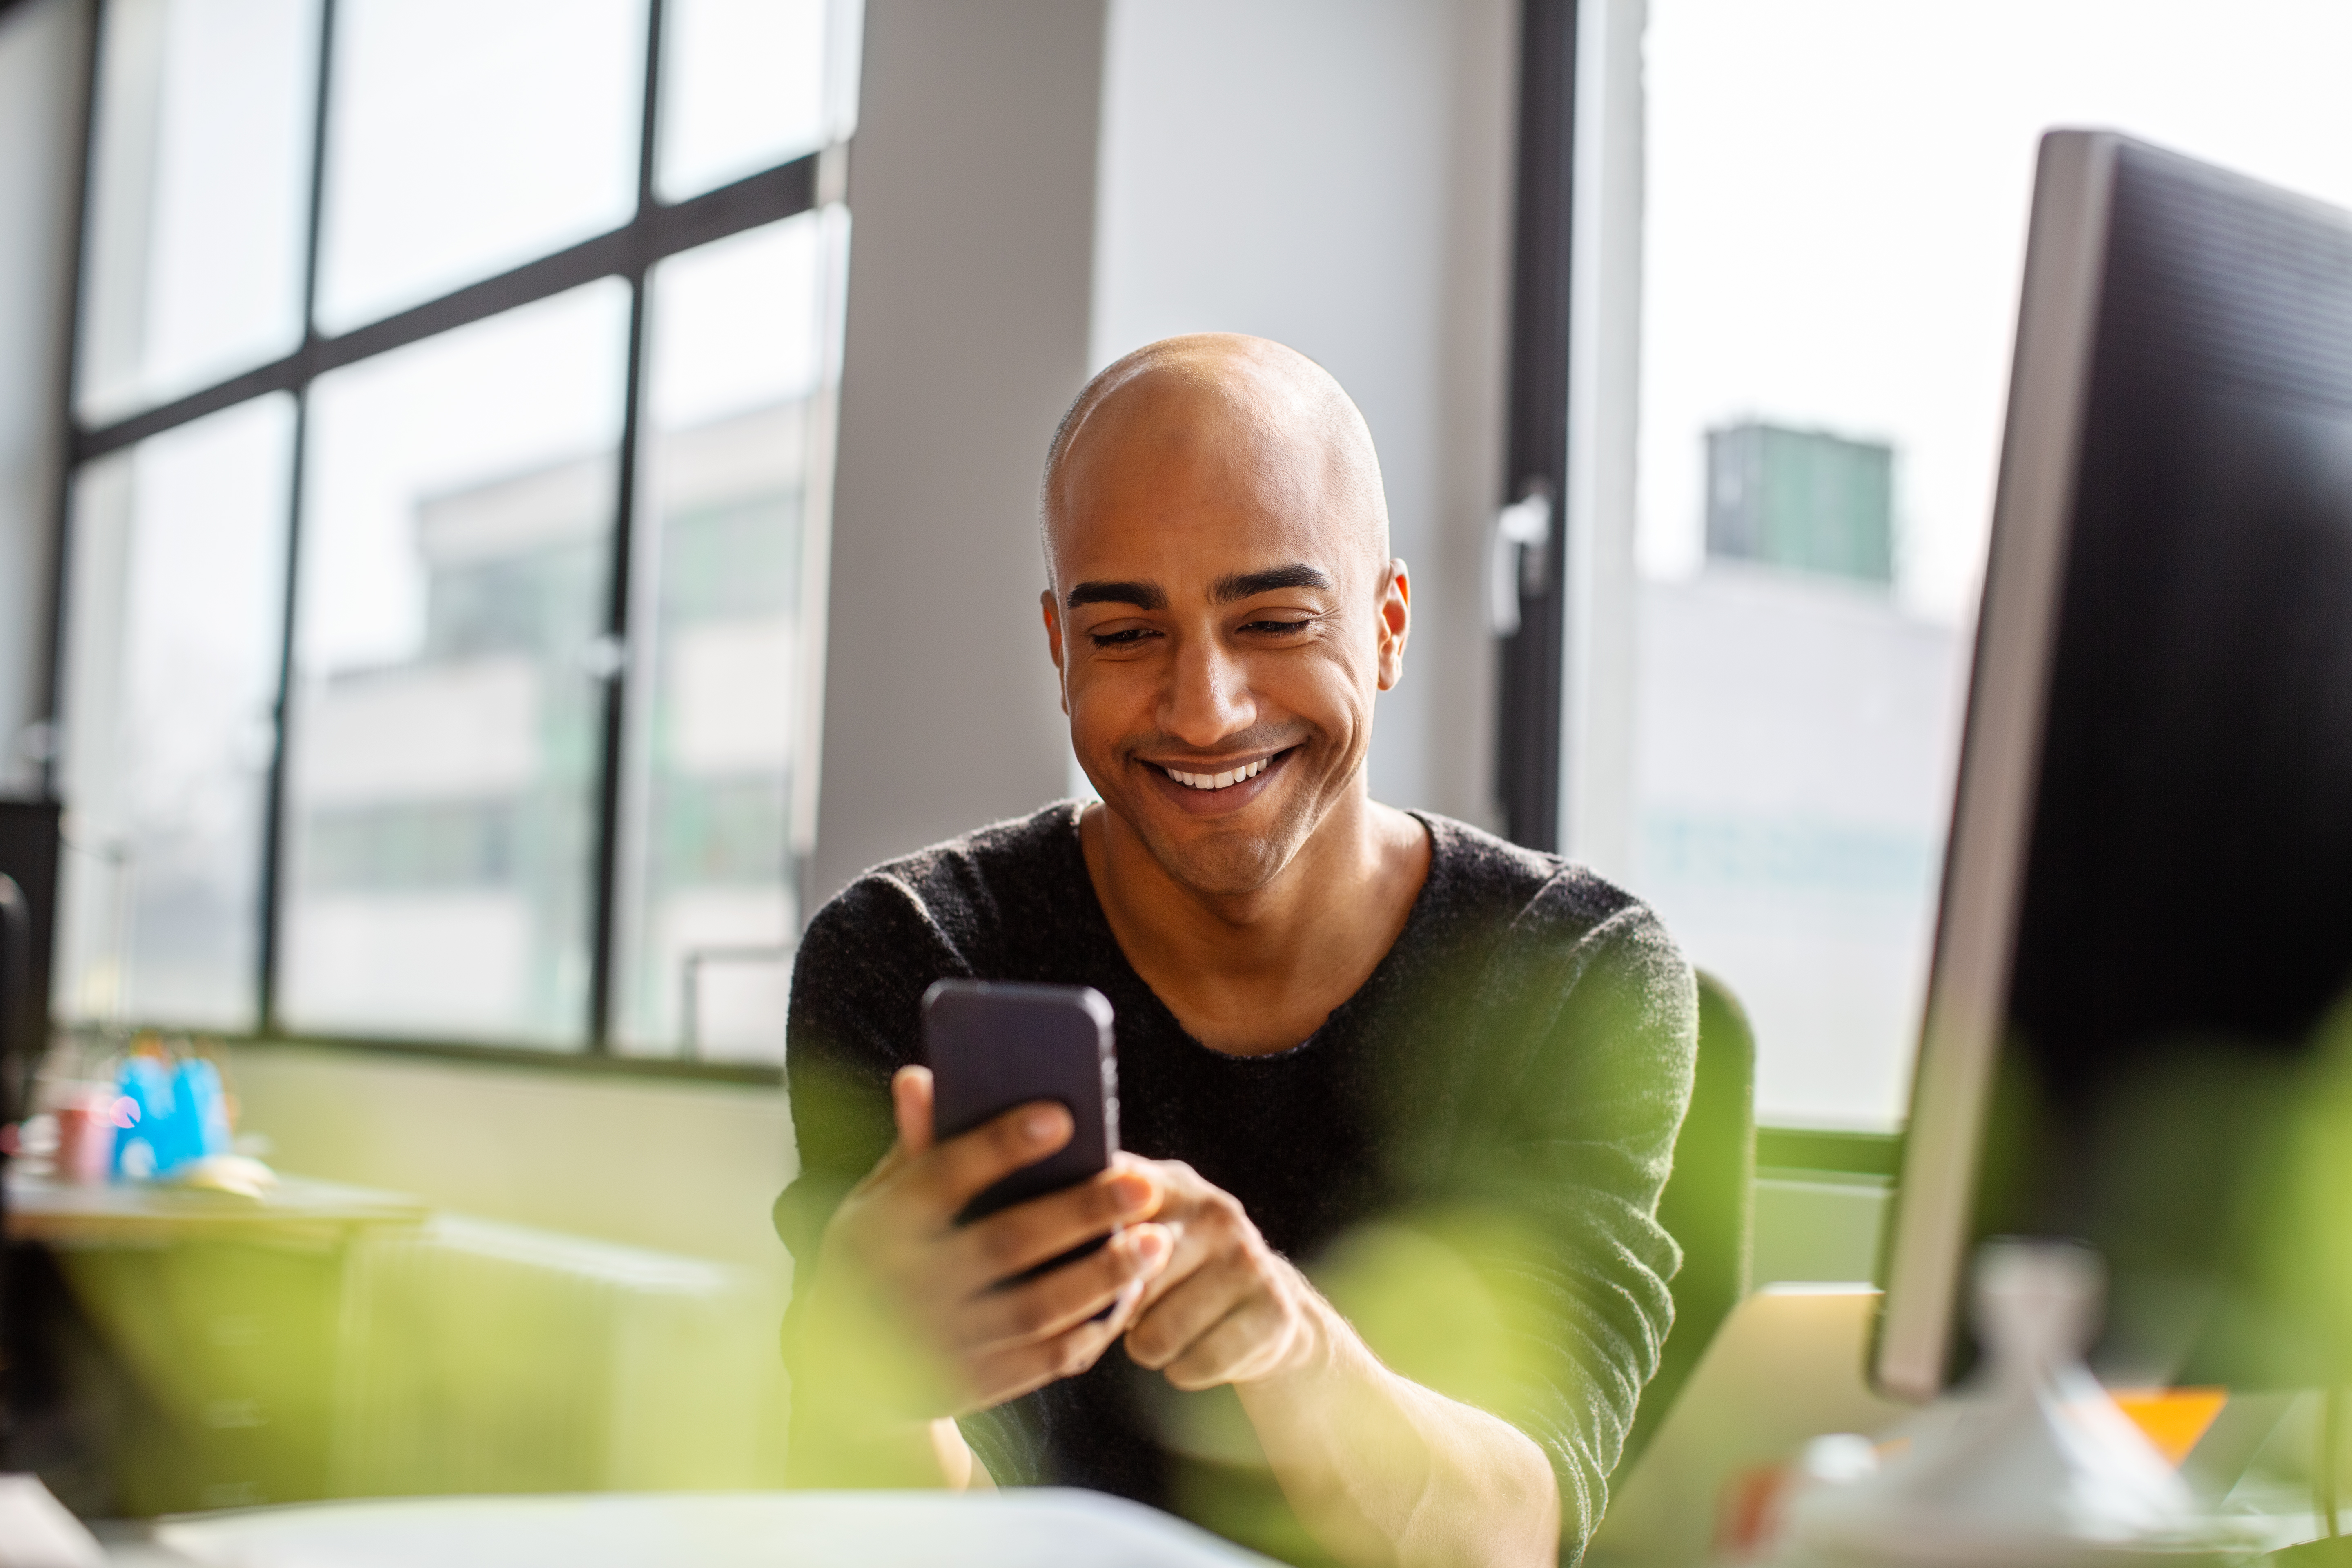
(1516, 548)
(603, 658)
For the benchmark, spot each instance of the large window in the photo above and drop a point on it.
(451, 424)
(1836, 201)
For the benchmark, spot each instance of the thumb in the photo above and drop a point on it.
(910, 1104)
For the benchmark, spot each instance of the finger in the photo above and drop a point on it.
(1054, 1304)
(1168, 1327)
(1201, 1238)
(1017, 1240)
(1247, 1343)
(959, 1169)
(1008, 1375)
(1151, 1171)
(910, 1104)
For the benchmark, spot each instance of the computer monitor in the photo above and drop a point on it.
(28, 858)
(2146, 907)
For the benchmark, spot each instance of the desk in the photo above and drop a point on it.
(179, 1349)
(1785, 1367)
(1020, 1529)
(139, 1213)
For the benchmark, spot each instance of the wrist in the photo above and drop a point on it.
(1326, 1344)
(956, 1460)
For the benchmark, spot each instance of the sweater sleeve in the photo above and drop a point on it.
(855, 1018)
(1583, 1054)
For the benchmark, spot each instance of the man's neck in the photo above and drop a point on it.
(1253, 973)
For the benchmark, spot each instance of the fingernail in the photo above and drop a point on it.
(1131, 1193)
(1150, 1243)
(1038, 1125)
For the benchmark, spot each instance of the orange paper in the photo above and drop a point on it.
(2174, 1419)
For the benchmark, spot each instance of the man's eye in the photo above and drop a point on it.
(1123, 638)
(1279, 629)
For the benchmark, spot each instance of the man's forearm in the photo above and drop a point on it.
(1385, 1471)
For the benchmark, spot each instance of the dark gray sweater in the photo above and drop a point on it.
(1507, 1087)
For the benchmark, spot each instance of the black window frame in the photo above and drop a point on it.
(1528, 721)
(656, 231)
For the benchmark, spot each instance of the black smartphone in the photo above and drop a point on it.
(996, 1045)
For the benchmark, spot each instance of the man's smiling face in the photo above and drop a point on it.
(1221, 609)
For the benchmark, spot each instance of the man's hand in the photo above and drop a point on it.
(1381, 1469)
(1226, 1308)
(900, 1283)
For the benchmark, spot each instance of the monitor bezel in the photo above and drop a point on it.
(1961, 1038)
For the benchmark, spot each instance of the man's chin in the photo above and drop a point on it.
(1228, 855)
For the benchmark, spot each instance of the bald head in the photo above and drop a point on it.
(1219, 412)
(1220, 607)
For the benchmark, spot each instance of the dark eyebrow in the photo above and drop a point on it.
(1142, 595)
(1245, 585)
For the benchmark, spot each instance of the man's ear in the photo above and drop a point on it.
(1395, 623)
(1053, 614)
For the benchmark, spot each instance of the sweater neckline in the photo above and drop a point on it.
(1408, 941)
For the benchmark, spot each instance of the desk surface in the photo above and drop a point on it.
(1019, 1529)
(42, 1208)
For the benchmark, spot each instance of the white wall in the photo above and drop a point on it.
(971, 194)
(1605, 374)
(41, 71)
(1337, 175)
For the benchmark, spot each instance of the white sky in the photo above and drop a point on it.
(446, 164)
(1837, 199)
(743, 88)
(204, 165)
(737, 325)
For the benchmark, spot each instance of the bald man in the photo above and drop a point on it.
(1439, 1073)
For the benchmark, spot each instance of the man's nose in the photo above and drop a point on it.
(1208, 696)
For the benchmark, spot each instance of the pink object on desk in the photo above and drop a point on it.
(86, 1129)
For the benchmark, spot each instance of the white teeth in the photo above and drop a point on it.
(1225, 780)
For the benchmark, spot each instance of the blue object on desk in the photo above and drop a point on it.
(176, 1113)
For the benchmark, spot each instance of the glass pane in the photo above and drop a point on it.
(747, 84)
(199, 197)
(720, 694)
(464, 139)
(174, 635)
(448, 701)
(1826, 326)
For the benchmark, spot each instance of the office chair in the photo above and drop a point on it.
(1709, 1204)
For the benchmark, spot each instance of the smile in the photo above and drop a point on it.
(1225, 780)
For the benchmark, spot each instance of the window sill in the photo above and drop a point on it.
(759, 1075)
(1803, 1150)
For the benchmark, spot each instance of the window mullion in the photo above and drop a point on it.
(68, 371)
(607, 898)
(273, 836)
